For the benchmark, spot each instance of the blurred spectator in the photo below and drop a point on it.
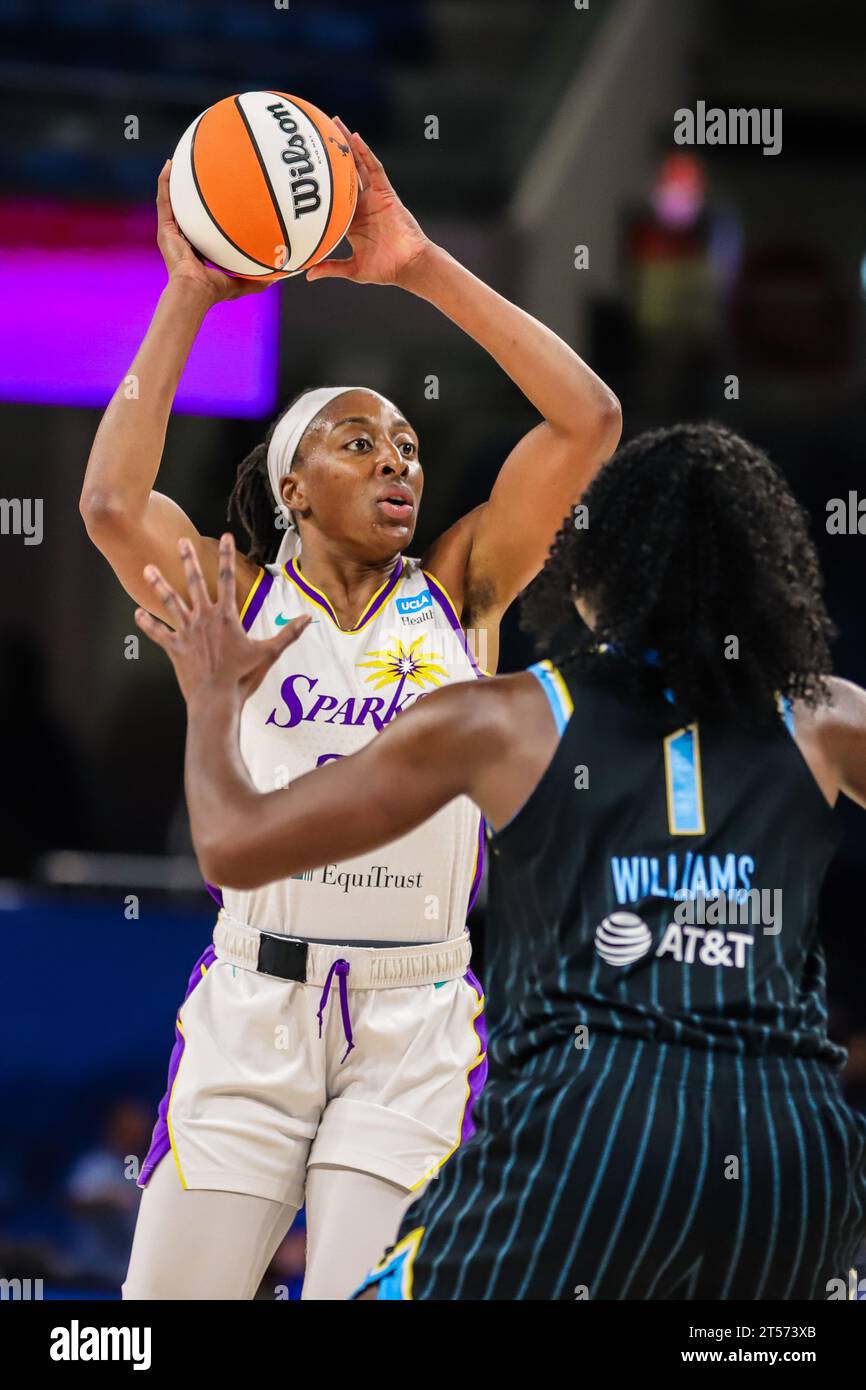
(103, 1196)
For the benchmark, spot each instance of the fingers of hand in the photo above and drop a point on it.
(350, 141)
(372, 165)
(325, 270)
(153, 628)
(226, 583)
(196, 587)
(163, 201)
(290, 633)
(171, 601)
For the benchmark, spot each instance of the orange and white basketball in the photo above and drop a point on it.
(263, 182)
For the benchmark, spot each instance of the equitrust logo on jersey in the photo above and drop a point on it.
(379, 876)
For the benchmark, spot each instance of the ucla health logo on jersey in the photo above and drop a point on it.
(417, 608)
(622, 938)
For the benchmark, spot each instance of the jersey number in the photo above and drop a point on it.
(683, 782)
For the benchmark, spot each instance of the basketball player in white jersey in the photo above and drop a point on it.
(331, 1041)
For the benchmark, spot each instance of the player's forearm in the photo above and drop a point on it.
(548, 372)
(127, 449)
(220, 796)
(245, 838)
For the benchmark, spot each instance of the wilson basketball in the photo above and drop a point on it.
(263, 182)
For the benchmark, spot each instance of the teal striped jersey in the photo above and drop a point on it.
(661, 883)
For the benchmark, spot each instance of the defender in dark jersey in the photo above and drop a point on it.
(663, 1117)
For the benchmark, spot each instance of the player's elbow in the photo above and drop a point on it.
(219, 863)
(607, 422)
(105, 515)
(226, 861)
(592, 429)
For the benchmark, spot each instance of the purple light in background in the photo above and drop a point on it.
(680, 190)
(71, 320)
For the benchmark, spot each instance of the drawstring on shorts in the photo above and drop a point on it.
(341, 968)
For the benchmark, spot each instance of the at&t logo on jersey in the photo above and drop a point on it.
(417, 608)
(623, 938)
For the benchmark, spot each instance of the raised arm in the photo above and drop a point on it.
(129, 522)
(492, 553)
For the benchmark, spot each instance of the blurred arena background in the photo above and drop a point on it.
(555, 130)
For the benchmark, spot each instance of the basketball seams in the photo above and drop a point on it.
(268, 269)
(267, 178)
(307, 110)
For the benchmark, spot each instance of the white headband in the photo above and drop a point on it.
(284, 445)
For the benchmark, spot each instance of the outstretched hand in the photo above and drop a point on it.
(208, 648)
(384, 236)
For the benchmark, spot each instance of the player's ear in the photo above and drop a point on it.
(292, 491)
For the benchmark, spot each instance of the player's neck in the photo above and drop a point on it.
(347, 581)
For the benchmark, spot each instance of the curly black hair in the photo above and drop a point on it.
(692, 538)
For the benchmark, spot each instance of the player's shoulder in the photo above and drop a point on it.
(447, 558)
(841, 704)
(831, 734)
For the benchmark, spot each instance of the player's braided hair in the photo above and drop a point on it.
(693, 538)
(252, 501)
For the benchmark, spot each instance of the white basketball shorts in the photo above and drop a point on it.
(350, 1064)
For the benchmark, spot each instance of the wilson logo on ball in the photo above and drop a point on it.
(230, 194)
(622, 938)
(305, 193)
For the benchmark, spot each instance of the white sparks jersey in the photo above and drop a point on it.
(328, 695)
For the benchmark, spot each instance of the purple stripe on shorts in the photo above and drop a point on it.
(257, 600)
(160, 1142)
(478, 1075)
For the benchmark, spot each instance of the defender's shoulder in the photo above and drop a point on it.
(843, 706)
